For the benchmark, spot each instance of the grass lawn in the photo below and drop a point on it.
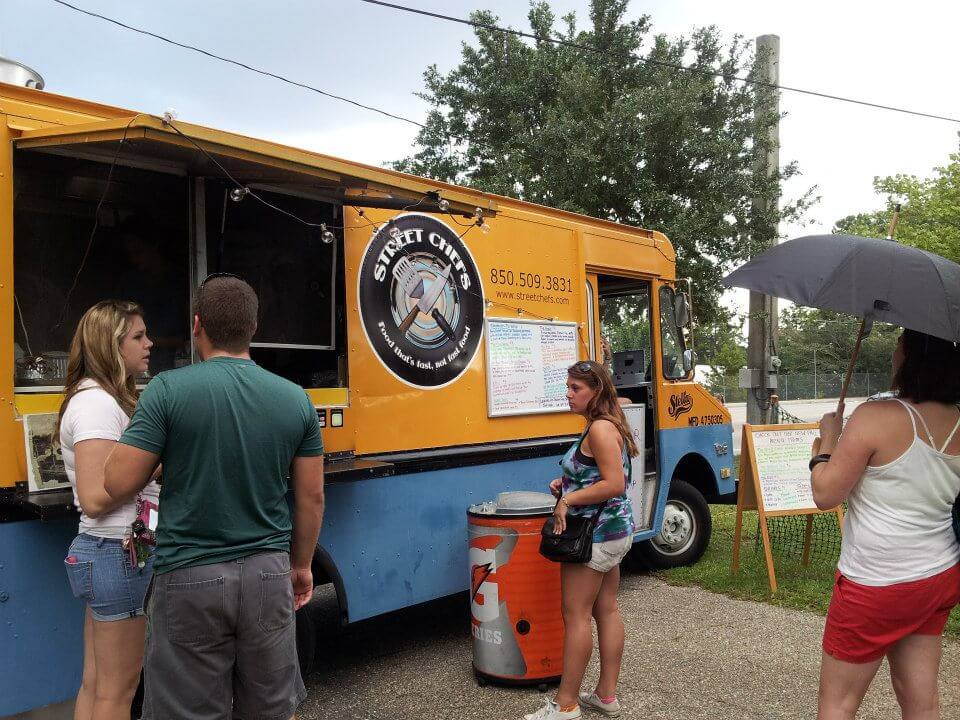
(803, 588)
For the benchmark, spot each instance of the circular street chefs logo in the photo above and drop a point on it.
(420, 299)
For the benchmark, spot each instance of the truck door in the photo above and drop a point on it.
(625, 346)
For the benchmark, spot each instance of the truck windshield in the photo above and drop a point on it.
(671, 337)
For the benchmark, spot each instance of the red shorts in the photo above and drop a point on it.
(865, 621)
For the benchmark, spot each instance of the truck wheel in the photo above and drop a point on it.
(306, 640)
(685, 533)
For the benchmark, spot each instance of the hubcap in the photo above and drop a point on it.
(679, 528)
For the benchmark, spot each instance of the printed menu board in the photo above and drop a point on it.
(782, 458)
(527, 363)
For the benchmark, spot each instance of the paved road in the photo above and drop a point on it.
(806, 410)
(690, 654)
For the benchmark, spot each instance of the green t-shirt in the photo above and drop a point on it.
(226, 431)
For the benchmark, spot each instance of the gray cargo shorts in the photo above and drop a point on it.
(221, 642)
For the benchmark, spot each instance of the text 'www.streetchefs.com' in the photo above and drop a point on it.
(533, 297)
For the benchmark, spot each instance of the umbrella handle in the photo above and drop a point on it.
(891, 228)
(853, 360)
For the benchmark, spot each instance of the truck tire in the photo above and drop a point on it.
(686, 530)
(306, 640)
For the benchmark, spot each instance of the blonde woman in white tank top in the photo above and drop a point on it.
(897, 464)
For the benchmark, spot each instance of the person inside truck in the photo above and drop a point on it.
(596, 470)
(107, 564)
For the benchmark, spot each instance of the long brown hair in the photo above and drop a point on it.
(603, 405)
(95, 354)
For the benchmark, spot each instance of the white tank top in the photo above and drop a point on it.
(898, 525)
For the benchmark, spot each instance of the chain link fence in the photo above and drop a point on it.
(803, 386)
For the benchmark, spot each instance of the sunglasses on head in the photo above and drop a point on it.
(583, 367)
(214, 276)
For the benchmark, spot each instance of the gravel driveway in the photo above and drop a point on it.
(690, 654)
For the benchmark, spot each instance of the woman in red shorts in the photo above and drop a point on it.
(897, 465)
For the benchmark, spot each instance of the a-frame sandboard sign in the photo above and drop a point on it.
(775, 481)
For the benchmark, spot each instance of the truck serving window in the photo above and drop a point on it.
(293, 272)
(78, 241)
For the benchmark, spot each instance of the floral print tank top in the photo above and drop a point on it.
(580, 471)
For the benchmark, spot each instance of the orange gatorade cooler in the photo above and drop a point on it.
(514, 592)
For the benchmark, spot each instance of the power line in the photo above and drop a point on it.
(245, 66)
(657, 63)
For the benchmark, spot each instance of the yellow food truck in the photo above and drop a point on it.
(430, 324)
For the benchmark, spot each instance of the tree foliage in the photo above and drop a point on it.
(930, 214)
(823, 340)
(610, 129)
(721, 346)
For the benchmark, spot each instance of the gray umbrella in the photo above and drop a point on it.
(878, 279)
(874, 279)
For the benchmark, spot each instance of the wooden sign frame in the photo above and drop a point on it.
(750, 497)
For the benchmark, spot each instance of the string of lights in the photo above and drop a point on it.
(658, 63)
(240, 191)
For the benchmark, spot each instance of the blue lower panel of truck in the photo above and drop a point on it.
(401, 540)
(41, 623)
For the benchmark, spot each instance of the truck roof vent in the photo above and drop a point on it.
(19, 74)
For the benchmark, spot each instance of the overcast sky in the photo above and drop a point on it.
(899, 54)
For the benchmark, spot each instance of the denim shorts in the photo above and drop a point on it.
(100, 574)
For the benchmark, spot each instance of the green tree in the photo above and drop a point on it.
(721, 347)
(930, 214)
(832, 336)
(611, 129)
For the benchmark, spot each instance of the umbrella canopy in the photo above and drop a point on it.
(867, 277)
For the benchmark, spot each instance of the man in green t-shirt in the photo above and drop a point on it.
(231, 565)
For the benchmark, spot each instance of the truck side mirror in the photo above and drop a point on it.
(689, 360)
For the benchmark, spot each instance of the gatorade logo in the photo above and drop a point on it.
(488, 554)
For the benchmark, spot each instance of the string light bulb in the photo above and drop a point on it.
(239, 193)
(325, 234)
(443, 205)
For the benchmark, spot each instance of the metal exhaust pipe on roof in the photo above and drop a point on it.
(17, 73)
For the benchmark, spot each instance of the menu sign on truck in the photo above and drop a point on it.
(527, 363)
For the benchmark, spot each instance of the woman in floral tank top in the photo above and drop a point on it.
(596, 469)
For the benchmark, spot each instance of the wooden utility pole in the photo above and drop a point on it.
(762, 328)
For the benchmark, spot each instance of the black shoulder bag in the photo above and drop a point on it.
(575, 543)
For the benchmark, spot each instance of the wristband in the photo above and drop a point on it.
(564, 501)
(817, 459)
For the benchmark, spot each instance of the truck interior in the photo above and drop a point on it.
(624, 307)
(89, 228)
